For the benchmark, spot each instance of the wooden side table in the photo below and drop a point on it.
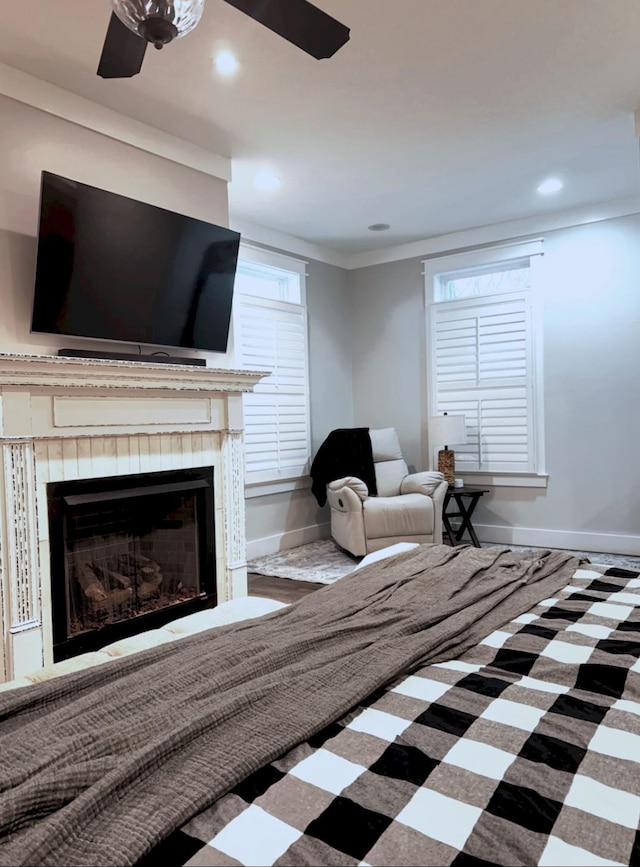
(466, 499)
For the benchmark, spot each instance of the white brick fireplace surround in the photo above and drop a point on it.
(63, 419)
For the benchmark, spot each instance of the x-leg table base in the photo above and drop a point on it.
(466, 500)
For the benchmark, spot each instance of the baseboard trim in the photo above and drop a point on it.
(291, 539)
(609, 543)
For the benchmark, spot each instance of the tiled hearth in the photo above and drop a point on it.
(63, 419)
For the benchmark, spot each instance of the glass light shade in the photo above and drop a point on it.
(183, 14)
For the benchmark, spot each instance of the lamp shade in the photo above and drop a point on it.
(447, 430)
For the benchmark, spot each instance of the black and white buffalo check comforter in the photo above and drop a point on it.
(526, 750)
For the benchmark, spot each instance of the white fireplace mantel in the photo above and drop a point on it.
(67, 418)
(66, 372)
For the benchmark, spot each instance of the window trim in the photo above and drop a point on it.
(271, 259)
(474, 259)
(267, 482)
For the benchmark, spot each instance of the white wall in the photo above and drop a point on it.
(591, 320)
(32, 141)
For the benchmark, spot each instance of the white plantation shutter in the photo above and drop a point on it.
(272, 335)
(482, 366)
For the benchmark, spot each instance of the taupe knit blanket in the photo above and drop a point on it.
(101, 765)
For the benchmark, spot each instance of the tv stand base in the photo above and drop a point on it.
(133, 356)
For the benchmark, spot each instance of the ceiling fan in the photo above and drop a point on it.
(136, 23)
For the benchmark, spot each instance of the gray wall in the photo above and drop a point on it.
(591, 323)
(388, 337)
(330, 363)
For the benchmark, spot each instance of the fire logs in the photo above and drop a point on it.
(111, 577)
(91, 585)
(147, 574)
(110, 585)
(103, 601)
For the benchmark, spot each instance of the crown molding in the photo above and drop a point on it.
(479, 236)
(252, 233)
(497, 232)
(61, 103)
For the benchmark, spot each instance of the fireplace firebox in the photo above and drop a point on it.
(129, 553)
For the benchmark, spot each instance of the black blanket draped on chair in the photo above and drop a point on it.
(345, 452)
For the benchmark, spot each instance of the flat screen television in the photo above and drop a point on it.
(112, 268)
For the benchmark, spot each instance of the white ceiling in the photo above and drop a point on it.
(436, 116)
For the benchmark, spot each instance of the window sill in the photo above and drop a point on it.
(277, 486)
(507, 480)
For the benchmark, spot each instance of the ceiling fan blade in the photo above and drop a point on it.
(123, 51)
(300, 22)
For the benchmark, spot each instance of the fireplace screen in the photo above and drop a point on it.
(127, 552)
(128, 560)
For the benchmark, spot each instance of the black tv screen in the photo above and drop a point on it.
(112, 268)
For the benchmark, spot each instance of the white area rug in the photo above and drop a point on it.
(321, 562)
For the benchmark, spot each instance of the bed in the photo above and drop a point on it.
(518, 742)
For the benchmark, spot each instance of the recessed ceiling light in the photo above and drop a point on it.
(226, 63)
(550, 187)
(266, 179)
(378, 227)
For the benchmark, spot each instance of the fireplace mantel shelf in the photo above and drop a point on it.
(65, 372)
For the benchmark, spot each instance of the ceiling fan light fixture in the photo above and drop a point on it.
(159, 21)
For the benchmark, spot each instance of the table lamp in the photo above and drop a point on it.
(443, 430)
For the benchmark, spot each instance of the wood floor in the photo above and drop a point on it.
(282, 589)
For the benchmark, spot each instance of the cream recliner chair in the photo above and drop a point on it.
(408, 507)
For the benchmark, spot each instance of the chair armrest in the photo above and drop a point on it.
(421, 483)
(347, 495)
(431, 484)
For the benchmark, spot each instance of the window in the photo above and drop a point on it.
(484, 360)
(270, 333)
